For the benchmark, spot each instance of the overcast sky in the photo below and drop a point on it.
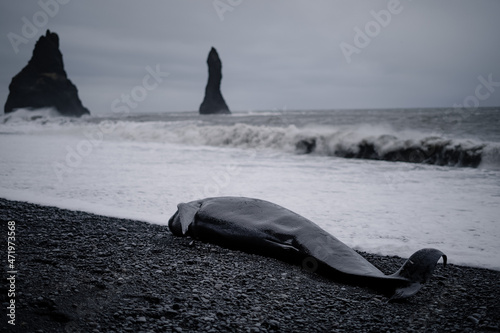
(277, 54)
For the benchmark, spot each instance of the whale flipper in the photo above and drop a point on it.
(417, 270)
(186, 213)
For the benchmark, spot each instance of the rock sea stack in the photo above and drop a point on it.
(214, 103)
(43, 82)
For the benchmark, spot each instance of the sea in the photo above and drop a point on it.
(385, 181)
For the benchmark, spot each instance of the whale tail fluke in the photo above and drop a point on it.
(417, 270)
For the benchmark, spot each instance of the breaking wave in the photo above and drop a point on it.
(361, 142)
(353, 141)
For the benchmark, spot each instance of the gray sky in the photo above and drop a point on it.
(277, 54)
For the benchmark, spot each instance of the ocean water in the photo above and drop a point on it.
(383, 181)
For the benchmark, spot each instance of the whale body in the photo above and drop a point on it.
(262, 227)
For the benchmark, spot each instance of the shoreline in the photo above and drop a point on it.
(81, 272)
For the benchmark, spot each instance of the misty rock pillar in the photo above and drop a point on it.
(43, 82)
(214, 103)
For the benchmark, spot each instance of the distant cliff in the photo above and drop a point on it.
(214, 103)
(43, 82)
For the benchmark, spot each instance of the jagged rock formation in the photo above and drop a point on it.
(43, 82)
(214, 103)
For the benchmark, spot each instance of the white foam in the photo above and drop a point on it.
(329, 140)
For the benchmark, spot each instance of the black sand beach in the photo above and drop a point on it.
(79, 272)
